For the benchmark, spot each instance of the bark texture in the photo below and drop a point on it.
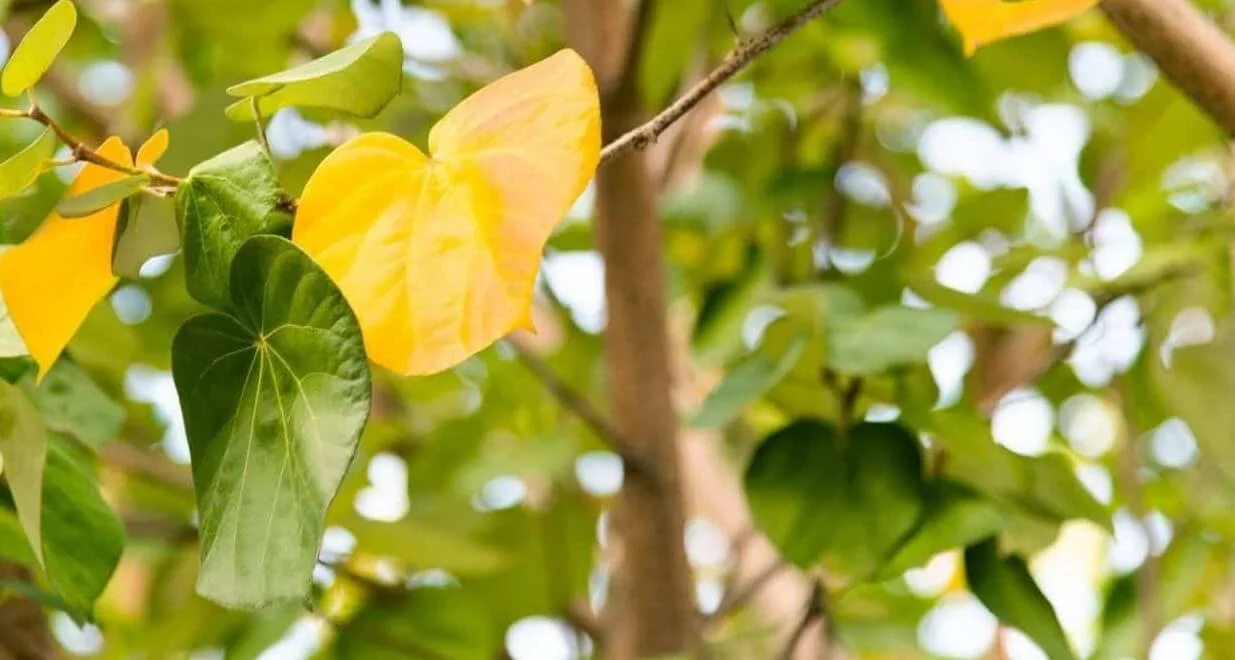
(651, 611)
(1189, 48)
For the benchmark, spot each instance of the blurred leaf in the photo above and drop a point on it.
(550, 559)
(1045, 487)
(1006, 588)
(359, 79)
(955, 517)
(433, 623)
(21, 169)
(274, 401)
(223, 202)
(96, 199)
(420, 545)
(1189, 564)
(676, 32)
(72, 403)
(75, 517)
(887, 337)
(754, 375)
(39, 48)
(23, 446)
(146, 228)
(848, 505)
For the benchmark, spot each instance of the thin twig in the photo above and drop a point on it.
(579, 615)
(739, 597)
(85, 154)
(643, 136)
(577, 404)
(813, 610)
(257, 124)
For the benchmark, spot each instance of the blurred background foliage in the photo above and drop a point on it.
(1023, 256)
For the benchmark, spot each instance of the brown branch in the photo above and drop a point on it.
(643, 136)
(85, 154)
(739, 597)
(135, 460)
(577, 404)
(814, 610)
(579, 615)
(1187, 46)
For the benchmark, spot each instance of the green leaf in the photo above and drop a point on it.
(955, 517)
(1045, 487)
(669, 22)
(359, 80)
(848, 505)
(23, 445)
(75, 516)
(1006, 588)
(72, 403)
(419, 544)
(757, 373)
(971, 306)
(96, 199)
(144, 229)
(434, 623)
(887, 337)
(13, 544)
(222, 203)
(22, 168)
(39, 48)
(274, 401)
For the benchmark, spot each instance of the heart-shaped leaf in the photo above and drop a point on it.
(67, 260)
(222, 203)
(39, 48)
(22, 168)
(359, 80)
(782, 345)
(274, 400)
(981, 22)
(438, 255)
(848, 505)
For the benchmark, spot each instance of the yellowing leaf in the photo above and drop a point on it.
(981, 22)
(39, 48)
(438, 254)
(153, 149)
(52, 280)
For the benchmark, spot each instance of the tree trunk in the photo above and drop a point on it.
(1193, 52)
(651, 610)
(23, 625)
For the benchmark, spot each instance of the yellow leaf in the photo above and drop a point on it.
(981, 22)
(153, 149)
(438, 254)
(52, 280)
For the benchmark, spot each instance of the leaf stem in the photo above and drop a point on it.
(85, 154)
(261, 130)
(645, 135)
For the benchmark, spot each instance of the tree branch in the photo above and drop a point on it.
(1193, 52)
(643, 136)
(577, 404)
(815, 610)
